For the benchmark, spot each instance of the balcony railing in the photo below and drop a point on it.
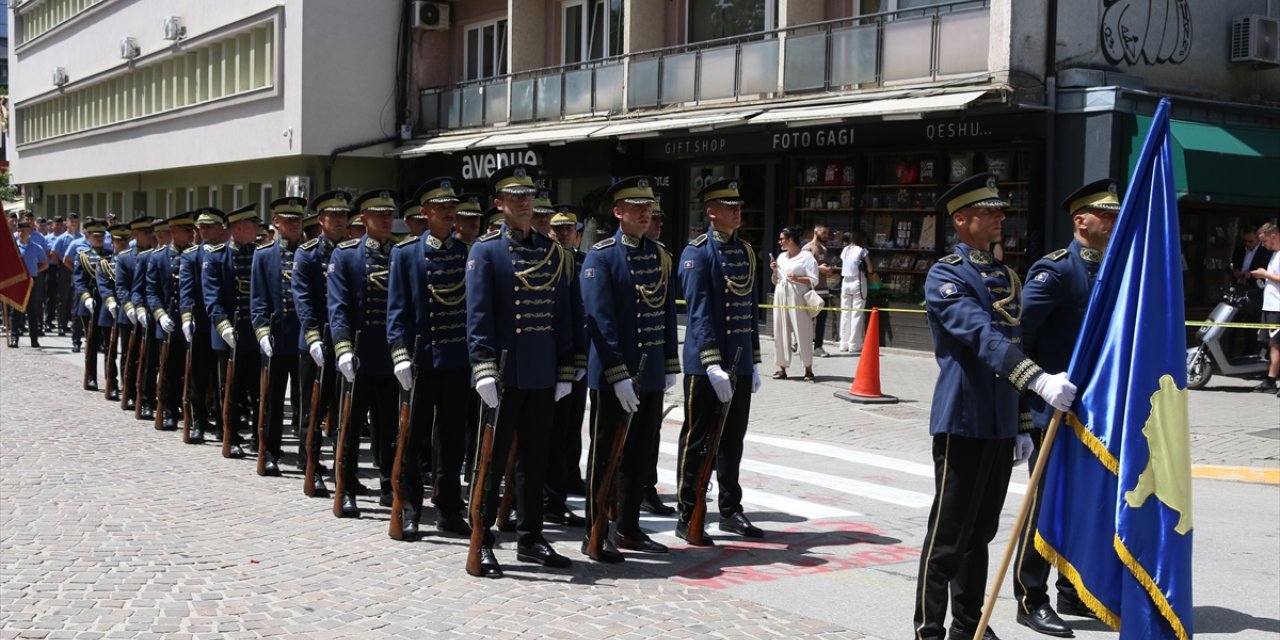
(850, 54)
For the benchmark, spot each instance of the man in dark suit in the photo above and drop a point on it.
(1250, 255)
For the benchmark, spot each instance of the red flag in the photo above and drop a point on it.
(15, 282)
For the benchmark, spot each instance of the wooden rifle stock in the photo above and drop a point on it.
(396, 527)
(90, 352)
(697, 519)
(186, 396)
(228, 426)
(604, 493)
(264, 401)
(127, 390)
(164, 367)
(140, 371)
(112, 379)
(344, 430)
(480, 474)
(313, 421)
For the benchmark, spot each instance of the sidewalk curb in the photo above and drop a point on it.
(1254, 475)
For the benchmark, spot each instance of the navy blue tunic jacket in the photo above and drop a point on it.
(271, 302)
(718, 273)
(428, 299)
(357, 291)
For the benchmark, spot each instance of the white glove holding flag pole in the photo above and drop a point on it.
(228, 336)
(166, 323)
(404, 373)
(720, 382)
(563, 389)
(347, 365)
(487, 389)
(626, 393)
(1022, 448)
(189, 330)
(317, 352)
(264, 345)
(1056, 390)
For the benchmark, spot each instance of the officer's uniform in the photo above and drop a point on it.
(357, 297)
(141, 311)
(204, 400)
(470, 207)
(85, 275)
(164, 301)
(630, 313)
(126, 273)
(108, 280)
(428, 304)
(564, 476)
(717, 271)
(972, 303)
(310, 295)
(1054, 301)
(272, 308)
(225, 279)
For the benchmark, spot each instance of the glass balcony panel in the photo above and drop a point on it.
(719, 73)
(759, 67)
(577, 92)
(962, 41)
(678, 73)
(495, 102)
(609, 88)
(432, 109)
(853, 55)
(522, 100)
(906, 54)
(472, 106)
(548, 98)
(806, 63)
(452, 103)
(642, 88)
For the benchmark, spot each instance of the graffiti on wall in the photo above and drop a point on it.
(1146, 31)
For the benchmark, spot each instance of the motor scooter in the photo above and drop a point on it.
(1209, 357)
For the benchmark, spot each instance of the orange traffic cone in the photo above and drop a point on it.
(866, 382)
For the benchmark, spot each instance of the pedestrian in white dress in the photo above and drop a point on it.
(794, 273)
(855, 268)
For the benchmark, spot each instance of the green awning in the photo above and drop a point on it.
(1220, 163)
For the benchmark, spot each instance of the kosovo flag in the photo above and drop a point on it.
(15, 282)
(1116, 511)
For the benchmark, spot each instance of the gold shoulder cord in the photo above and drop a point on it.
(743, 288)
(439, 293)
(655, 296)
(522, 275)
(1015, 292)
(91, 266)
(111, 271)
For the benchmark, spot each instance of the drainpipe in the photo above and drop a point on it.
(1051, 118)
(333, 155)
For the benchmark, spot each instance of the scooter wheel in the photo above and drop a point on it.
(1199, 369)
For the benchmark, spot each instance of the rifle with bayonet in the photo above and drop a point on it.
(480, 472)
(698, 517)
(112, 379)
(90, 349)
(228, 413)
(160, 380)
(344, 431)
(264, 402)
(313, 426)
(130, 382)
(186, 396)
(605, 492)
(140, 370)
(396, 527)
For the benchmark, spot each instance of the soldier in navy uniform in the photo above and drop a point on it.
(225, 280)
(470, 214)
(310, 226)
(357, 297)
(428, 303)
(974, 311)
(630, 312)
(84, 273)
(165, 305)
(519, 301)
(563, 473)
(310, 293)
(141, 231)
(411, 213)
(211, 224)
(275, 320)
(718, 271)
(108, 280)
(651, 502)
(142, 312)
(1053, 305)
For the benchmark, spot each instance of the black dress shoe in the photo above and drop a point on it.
(453, 523)
(489, 567)
(113, 395)
(91, 385)
(128, 404)
(349, 507)
(196, 436)
(536, 549)
(147, 413)
(564, 517)
(639, 541)
(1073, 607)
(1044, 620)
(75, 347)
(321, 490)
(387, 499)
(34, 343)
(409, 524)
(682, 532)
(739, 524)
(270, 468)
(359, 489)
(653, 504)
(956, 634)
(608, 552)
(236, 451)
(170, 424)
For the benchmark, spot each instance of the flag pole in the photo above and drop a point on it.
(1027, 498)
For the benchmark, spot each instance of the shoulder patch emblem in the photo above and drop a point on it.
(1042, 276)
(607, 242)
(310, 244)
(951, 259)
(948, 289)
(347, 244)
(588, 273)
(471, 264)
(1058, 255)
(698, 241)
(688, 264)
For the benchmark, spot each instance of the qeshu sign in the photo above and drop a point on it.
(479, 166)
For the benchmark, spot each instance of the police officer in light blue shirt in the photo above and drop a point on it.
(34, 257)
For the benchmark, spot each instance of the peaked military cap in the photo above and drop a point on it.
(142, 223)
(210, 215)
(119, 231)
(356, 221)
(494, 215)
(565, 214)
(57, 219)
(980, 190)
(24, 224)
(247, 212)
(633, 190)
(440, 189)
(410, 209)
(336, 200)
(289, 206)
(542, 203)
(310, 221)
(515, 179)
(469, 205)
(94, 226)
(724, 191)
(187, 219)
(656, 209)
(73, 216)
(1099, 194)
(379, 200)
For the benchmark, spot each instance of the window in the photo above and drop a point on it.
(711, 19)
(486, 50)
(41, 18)
(590, 30)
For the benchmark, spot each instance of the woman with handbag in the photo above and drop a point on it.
(795, 273)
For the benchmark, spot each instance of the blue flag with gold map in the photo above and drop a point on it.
(1115, 515)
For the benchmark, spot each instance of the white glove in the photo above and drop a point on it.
(133, 317)
(404, 373)
(672, 379)
(89, 304)
(720, 382)
(626, 393)
(563, 389)
(189, 330)
(317, 352)
(264, 345)
(755, 379)
(1056, 390)
(579, 373)
(111, 307)
(228, 335)
(1022, 448)
(166, 323)
(142, 318)
(487, 389)
(347, 365)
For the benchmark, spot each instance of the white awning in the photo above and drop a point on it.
(441, 144)
(541, 135)
(894, 106)
(641, 126)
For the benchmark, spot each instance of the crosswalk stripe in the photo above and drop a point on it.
(801, 508)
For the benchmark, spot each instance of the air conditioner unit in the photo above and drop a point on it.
(297, 186)
(129, 48)
(60, 76)
(1255, 39)
(173, 29)
(430, 16)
